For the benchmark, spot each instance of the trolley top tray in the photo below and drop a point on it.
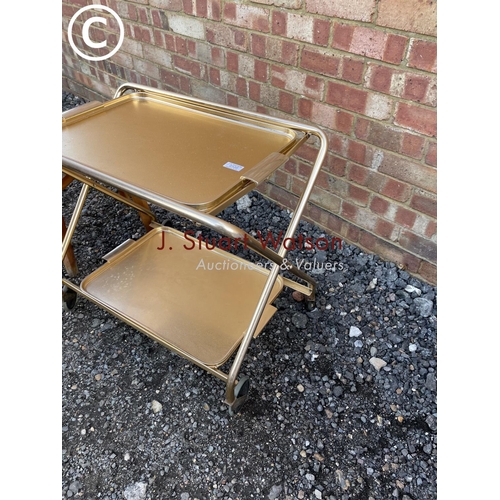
(184, 151)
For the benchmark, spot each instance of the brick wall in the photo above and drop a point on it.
(364, 71)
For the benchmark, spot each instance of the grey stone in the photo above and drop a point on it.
(423, 306)
(354, 331)
(275, 492)
(377, 363)
(136, 491)
(299, 320)
(431, 382)
(243, 203)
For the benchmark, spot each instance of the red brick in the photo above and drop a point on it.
(241, 87)
(423, 55)
(342, 36)
(384, 228)
(379, 205)
(187, 5)
(349, 211)
(289, 52)
(428, 272)
(170, 78)
(380, 78)
(232, 100)
(405, 217)
(261, 71)
(324, 64)
(286, 102)
(214, 76)
(181, 45)
(321, 32)
(413, 145)
(68, 11)
(418, 245)
(335, 165)
(424, 204)
(431, 156)
(396, 190)
(278, 21)
(353, 233)
(143, 15)
(214, 10)
(254, 91)
(362, 128)
(332, 223)
(305, 109)
(170, 42)
(336, 142)
(384, 136)
(352, 70)
(281, 179)
(346, 97)
(358, 194)
(358, 174)
(356, 151)
(187, 66)
(298, 186)
(291, 166)
(395, 46)
(389, 251)
(415, 88)
(431, 229)
(258, 45)
(304, 171)
(343, 122)
(201, 8)
(283, 197)
(131, 13)
(232, 62)
(416, 118)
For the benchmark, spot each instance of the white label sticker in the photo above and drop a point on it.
(233, 166)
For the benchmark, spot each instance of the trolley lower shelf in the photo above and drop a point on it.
(196, 301)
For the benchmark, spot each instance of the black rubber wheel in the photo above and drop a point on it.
(69, 299)
(240, 395)
(310, 305)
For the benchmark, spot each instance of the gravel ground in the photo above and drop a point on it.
(342, 403)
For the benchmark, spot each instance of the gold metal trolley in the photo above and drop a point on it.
(192, 158)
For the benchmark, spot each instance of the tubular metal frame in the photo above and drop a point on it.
(98, 180)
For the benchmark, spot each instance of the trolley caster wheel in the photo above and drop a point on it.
(69, 299)
(310, 305)
(240, 395)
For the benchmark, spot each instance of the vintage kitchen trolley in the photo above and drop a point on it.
(193, 158)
